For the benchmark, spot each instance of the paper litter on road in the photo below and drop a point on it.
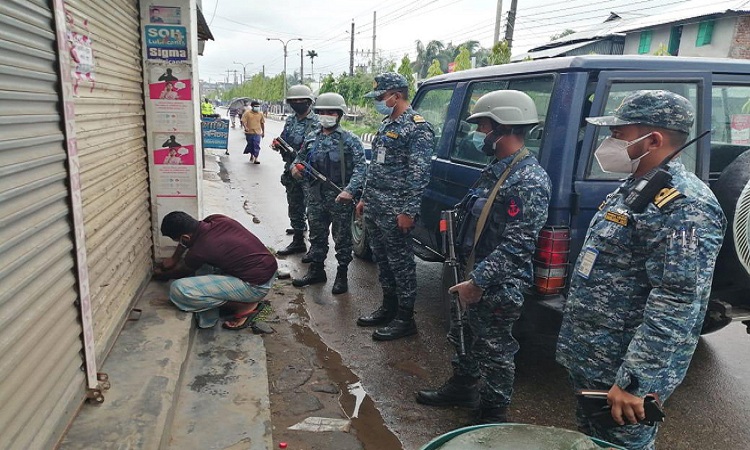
(321, 424)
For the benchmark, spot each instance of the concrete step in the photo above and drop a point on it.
(173, 386)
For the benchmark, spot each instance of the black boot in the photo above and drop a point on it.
(457, 391)
(315, 274)
(308, 256)
(485, 415)
(340, 284)
(403, 325)
(381, 316)
(297, 245)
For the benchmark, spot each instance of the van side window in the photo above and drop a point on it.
(433, 106)
(617, 93)
(730, 122)
(538, 88)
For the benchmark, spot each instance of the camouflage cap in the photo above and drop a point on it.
(386, 82)
(661, 109)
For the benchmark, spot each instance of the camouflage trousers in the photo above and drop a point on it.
(632, 437)
(394, 253)
(323, 213)
(295, 198)
(489, 343)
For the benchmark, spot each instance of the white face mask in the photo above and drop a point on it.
(327, 121)
(612, 155)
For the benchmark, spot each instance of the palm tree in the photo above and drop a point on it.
(312, 54)
(425, 55)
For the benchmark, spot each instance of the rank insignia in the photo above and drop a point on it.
(667, 196)
(418, 119)
(391, 134)
(514, 208)
(618, 218)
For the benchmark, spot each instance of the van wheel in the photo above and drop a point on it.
(732, 189)
(359, 239)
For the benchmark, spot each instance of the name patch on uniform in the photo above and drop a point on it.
(588, 258)
(514, 208)
(380, 155)
(418, 119)
(392, 134)
(619, 219)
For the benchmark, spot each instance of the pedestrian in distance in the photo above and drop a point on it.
(639, 290)
(501, 218)
(297, 126)
(207, 108)
(254, 125)
(218, 267)
(391, 200)
(338, 155)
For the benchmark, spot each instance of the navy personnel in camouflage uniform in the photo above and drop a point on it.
(396, 178)
(296, 128)
(640, 287)
(493, 293)
(339, 156)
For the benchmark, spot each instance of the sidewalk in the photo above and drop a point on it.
(174, 388)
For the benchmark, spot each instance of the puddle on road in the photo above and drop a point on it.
(366, 419)
(223, 172)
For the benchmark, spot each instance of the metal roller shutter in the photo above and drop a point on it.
(41, 382)
(110, 128)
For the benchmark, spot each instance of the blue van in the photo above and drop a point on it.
(566, 90)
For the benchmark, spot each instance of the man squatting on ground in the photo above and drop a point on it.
(640, 287)
(339, 156)
(392, 196)
(512, 194)
(296, 128)
(218, 264)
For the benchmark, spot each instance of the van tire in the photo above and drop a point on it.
(360, 239)
(732, 190)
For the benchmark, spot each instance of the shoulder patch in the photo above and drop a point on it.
(514, 208)
(667, 196)
(418, 119)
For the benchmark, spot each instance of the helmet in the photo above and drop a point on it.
(330, 100)
(299, 92)
(506, 108)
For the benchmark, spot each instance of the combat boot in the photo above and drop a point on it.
(297, 245)
(340, 284)
(485, 415)
(381, 316)
(308, 256)
(403, 325)
(459, 390)
(316, 273)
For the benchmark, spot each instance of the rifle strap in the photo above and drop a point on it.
(342, 161)
(482, 222)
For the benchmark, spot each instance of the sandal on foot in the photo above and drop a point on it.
(249, 318)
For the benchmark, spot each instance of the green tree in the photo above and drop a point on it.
(434, 69)
(561, 34)
(328, 84)
(463, 60)
(426, 54)
(500, 54)
(662, 50)
(406, 70)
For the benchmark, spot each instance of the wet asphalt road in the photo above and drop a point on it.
(711, 410)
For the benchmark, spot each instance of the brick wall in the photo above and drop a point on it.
(740, 48)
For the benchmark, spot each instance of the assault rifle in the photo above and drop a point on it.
(448, 231)
(286, 150)
(303, 166)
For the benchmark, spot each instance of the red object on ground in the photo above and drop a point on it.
(282, 444)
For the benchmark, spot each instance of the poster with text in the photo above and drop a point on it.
(174, 163)
(166, 43)
(165, 14)
(741, 129)
(176, 181)
(176, 149)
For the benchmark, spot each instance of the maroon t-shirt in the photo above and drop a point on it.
(224, 243)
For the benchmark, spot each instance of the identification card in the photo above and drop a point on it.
(380, 155)
(587, 262)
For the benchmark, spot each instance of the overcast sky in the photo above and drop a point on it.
(241, 27)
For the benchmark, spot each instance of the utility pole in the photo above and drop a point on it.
(373, 40)
(235, 76)
(511, 23)
(351, 53)
(498, 19)
(301, 66)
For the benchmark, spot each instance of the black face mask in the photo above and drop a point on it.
(491, 139)
(300, 107)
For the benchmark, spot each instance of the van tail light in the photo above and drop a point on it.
(551, 260)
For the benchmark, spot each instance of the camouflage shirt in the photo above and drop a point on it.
(400, 166)
(640, 287)
(296, 130)
(506, 246)
(323, 152)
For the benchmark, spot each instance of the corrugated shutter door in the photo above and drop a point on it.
(41, 382)
(114, 167)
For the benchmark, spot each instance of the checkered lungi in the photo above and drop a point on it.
(204, 294)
